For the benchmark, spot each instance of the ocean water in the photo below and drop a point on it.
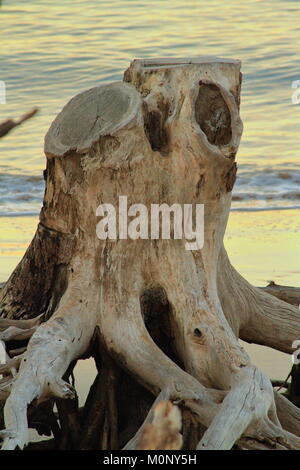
(51, 51)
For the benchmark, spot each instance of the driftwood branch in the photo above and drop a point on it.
(9, 124)
(289, 294)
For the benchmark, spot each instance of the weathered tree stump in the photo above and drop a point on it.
(169, 318)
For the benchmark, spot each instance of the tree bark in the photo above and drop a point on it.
(169, 318)
(289, 294)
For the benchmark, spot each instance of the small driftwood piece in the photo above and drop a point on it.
(9, 124)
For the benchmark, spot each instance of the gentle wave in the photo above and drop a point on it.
(269, 188)
(256, 189)
(260, 209)
(20, 195)
(233, 209)
(19, 214)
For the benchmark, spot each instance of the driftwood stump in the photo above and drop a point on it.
(169, 318)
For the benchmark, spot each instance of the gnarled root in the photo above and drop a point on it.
(263, 318)
(50, 351)
(12, 366)
(170, 134)
(291, 295)
(16, 334)
(6, 323)
(245, 414)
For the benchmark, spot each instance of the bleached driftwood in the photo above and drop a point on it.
(171, 318)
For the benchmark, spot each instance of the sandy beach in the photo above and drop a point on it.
(262, 246)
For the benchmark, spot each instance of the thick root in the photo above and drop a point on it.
(16, 334)
(12, 366)
(247, 403)
(288, 294)
(17, 352)
(262, 318)
(21, 324)
(50, 351)
(288, 414)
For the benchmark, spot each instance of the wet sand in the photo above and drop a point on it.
(263, 246)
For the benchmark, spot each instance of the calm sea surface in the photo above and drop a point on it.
(51, 51)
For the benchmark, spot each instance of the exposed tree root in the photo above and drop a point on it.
(291, 295)
(53, 346)
(5, 323)
(12, 366)
(17, 334)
